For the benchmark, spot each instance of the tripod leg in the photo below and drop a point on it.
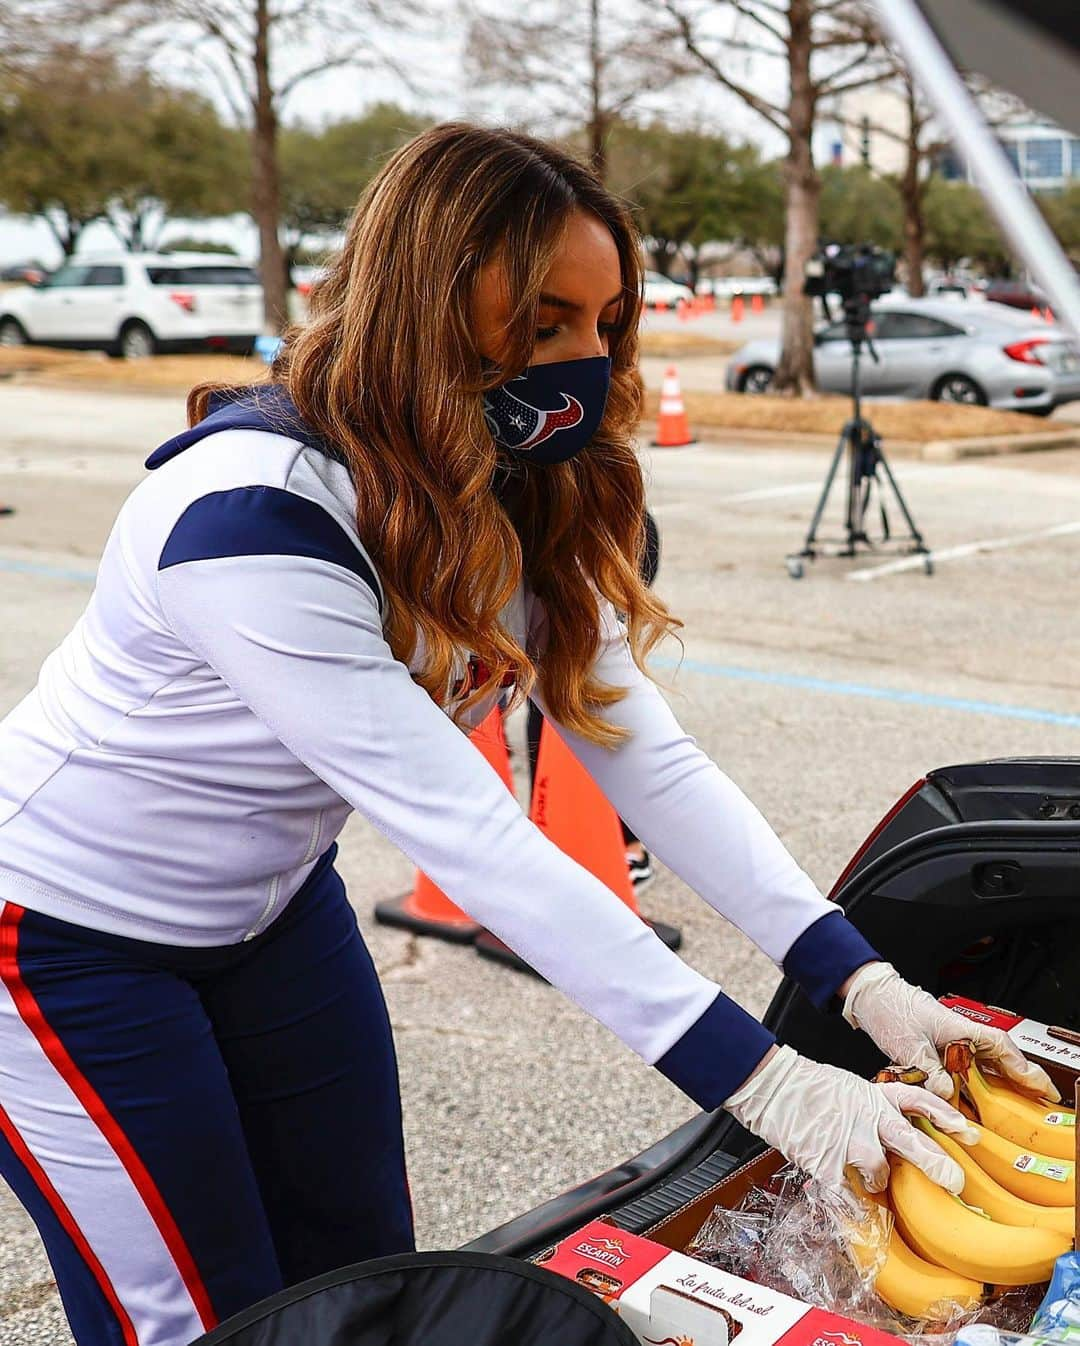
(830, 477)
(916, 536)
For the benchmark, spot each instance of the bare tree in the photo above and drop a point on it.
(827, 48)
(919, 132)
(585, 62)
(246, 47)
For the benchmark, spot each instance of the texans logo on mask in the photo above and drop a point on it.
(553, 411)
(506, 413)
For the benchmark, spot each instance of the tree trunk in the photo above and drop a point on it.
(802, 193)
(911, 191)
(66, 232)
(597, 119)
(914, 246)
(266, 193)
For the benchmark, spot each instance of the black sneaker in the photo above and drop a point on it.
(640, 867)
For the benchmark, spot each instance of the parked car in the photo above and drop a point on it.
(136, 304)
(948, 350)
(948, 287)
(1016, 294)
(660, 290)
(24, 273)
(929, 889)
(725, 287)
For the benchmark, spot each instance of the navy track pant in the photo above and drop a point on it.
(194, 1129)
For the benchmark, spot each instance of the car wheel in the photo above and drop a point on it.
(12, 332)
(958, 388)
(136, 341)
(756, 379)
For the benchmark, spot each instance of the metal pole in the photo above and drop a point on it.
(1004, 193)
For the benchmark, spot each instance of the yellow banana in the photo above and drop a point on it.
(906, 1281)
(912, 1285)
(982, 1192)
(1032, 1125)
(942, 1229)
(1027, 1174)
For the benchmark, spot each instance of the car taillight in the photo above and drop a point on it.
(1025, 351)
(184, 299)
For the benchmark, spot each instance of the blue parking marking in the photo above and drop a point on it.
(796, 681)
(48, 572)
(897, 695)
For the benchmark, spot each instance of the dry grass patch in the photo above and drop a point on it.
(678, 345)
(160, 373)
(912, 421)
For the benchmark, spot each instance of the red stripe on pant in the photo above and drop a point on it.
(31, 1015)
(67, 1220)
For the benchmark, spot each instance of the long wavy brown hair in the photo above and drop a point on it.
(387, 369)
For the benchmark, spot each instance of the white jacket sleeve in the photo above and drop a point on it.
(702, 826)
(299, 640)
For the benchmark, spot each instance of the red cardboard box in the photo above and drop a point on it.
(669, 1299)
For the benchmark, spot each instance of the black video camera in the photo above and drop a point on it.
(863, 272)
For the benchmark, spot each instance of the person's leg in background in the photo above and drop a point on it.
(303, 1028)
(120, 1135)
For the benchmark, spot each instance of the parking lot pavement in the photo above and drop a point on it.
(824, 698)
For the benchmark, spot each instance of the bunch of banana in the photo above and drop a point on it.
(1013, 1220)
(905, 1281)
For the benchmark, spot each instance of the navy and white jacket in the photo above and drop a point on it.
(199, 738)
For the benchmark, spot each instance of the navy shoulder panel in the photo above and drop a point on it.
(262, 521)
(263, 407)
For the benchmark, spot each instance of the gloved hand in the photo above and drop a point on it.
(823, 1118)
(911, 1028)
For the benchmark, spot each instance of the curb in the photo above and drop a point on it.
(949, 450)
(934, 451)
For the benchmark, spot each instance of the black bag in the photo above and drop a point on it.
(429, 1299)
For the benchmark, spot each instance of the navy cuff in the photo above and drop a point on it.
(715, 1055)
(825, 955)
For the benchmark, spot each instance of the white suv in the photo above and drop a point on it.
(134, 304)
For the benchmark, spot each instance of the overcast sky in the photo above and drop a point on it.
(442, 92)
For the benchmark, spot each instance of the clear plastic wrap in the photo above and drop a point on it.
(828, 1251)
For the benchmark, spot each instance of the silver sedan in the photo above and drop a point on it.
(948, 350)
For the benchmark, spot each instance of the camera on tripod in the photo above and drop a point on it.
(863, 272)
(856, 275)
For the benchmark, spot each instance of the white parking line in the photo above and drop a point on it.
(965, 549)
(798, 487)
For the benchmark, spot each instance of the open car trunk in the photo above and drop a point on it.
(970, 884)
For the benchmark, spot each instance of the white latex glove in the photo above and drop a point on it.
(911, 1028)
(823, 1118)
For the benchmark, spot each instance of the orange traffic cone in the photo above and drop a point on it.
(672, 427)
(427, 910)
(570, 810)
(660, 306)
(738, 308)
(710, 303)
(757, 303)
(683, 307)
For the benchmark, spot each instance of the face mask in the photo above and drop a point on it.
(550, 412)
